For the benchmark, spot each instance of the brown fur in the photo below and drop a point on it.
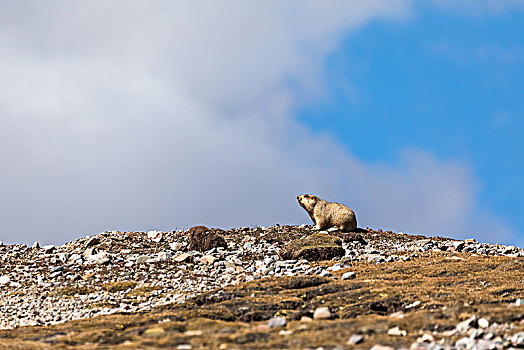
(328, 214)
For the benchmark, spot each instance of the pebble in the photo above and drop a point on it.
(48, 248)
(92, 241)
(518, 339)
(4, 279)
(483, 323)
(184, 257)
(381, 347)
(154, 332)
(355, 339)
(464, 326)
(348, 275)
(155, 236)
(396, 331)
(277, 322)
(208, 259)
(322, 313)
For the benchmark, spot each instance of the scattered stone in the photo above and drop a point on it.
(355, 339)
(426, 338)
(464, 326)
(381, 347)
(518, 339)
(36, 245)
(277, 322)
(194, 333)
(483, 323)
(348, 275)
(184, 347)
(154, 332)
(142, 259)
(92, 241)
(396, 331)
(398, 314)
(48, 248)
(184, 257)
(306, 319)
(155, 236)
(322, 313)
(414, 304)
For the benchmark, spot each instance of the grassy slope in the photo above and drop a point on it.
(449, 290)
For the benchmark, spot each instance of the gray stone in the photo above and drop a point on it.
(103, 260)
(184, 257)
(483, 323)
(464, 326)
(92, 241)
(518, 339)
(458, 245)
(355, 339)
(48, 248)
(325, 273)
(277, 322)
(322, 313)
(348, 275)
(465, 343)
(142, 259)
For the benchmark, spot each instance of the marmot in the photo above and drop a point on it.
(328, 214)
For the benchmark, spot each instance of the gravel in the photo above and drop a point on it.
(86, 277)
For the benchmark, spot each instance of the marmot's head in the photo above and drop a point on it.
(307, 201)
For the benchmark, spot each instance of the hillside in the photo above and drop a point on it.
(262, 288)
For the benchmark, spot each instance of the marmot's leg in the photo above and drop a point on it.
(321, 224)
(312, 218)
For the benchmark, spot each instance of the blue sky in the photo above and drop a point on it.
(138, 115)
(450, 84)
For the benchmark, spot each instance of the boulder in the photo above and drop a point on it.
(314, 248)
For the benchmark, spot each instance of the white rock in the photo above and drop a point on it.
(348, 275)
(396, 331)
(322, 313)
(48, 248)
(155, 236)
(483, 323)
(208, 259)
(4, 279)
(277, 322)
(355, 339)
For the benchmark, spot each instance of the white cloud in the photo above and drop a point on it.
(140, 115)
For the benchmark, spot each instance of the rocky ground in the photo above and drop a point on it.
(276, 287)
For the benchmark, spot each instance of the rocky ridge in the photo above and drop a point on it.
(136, 272)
